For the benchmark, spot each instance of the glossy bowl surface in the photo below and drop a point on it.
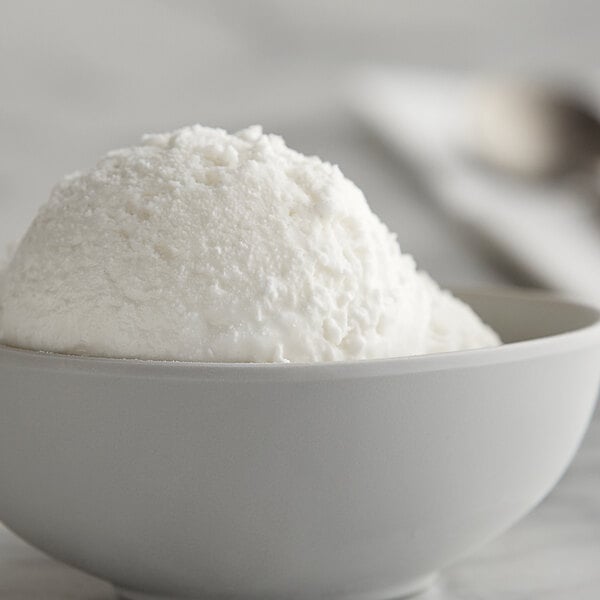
(341, 480)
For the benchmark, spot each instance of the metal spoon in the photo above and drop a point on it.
(534, 131)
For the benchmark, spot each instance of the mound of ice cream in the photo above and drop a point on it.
(198, 245)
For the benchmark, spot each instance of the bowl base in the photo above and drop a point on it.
(410, 588)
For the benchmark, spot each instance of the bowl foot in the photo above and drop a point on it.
(410, 588)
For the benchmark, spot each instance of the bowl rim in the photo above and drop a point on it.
(575, 339)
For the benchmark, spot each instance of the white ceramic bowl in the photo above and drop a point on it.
(348, 480)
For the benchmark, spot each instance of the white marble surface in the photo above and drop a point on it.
(79, 78)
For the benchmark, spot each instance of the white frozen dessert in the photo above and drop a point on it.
(203, 246)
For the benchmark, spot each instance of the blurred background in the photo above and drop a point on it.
(80, 78)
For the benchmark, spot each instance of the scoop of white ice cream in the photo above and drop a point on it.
(203, 246)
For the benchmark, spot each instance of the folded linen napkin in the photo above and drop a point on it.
(551, 230)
